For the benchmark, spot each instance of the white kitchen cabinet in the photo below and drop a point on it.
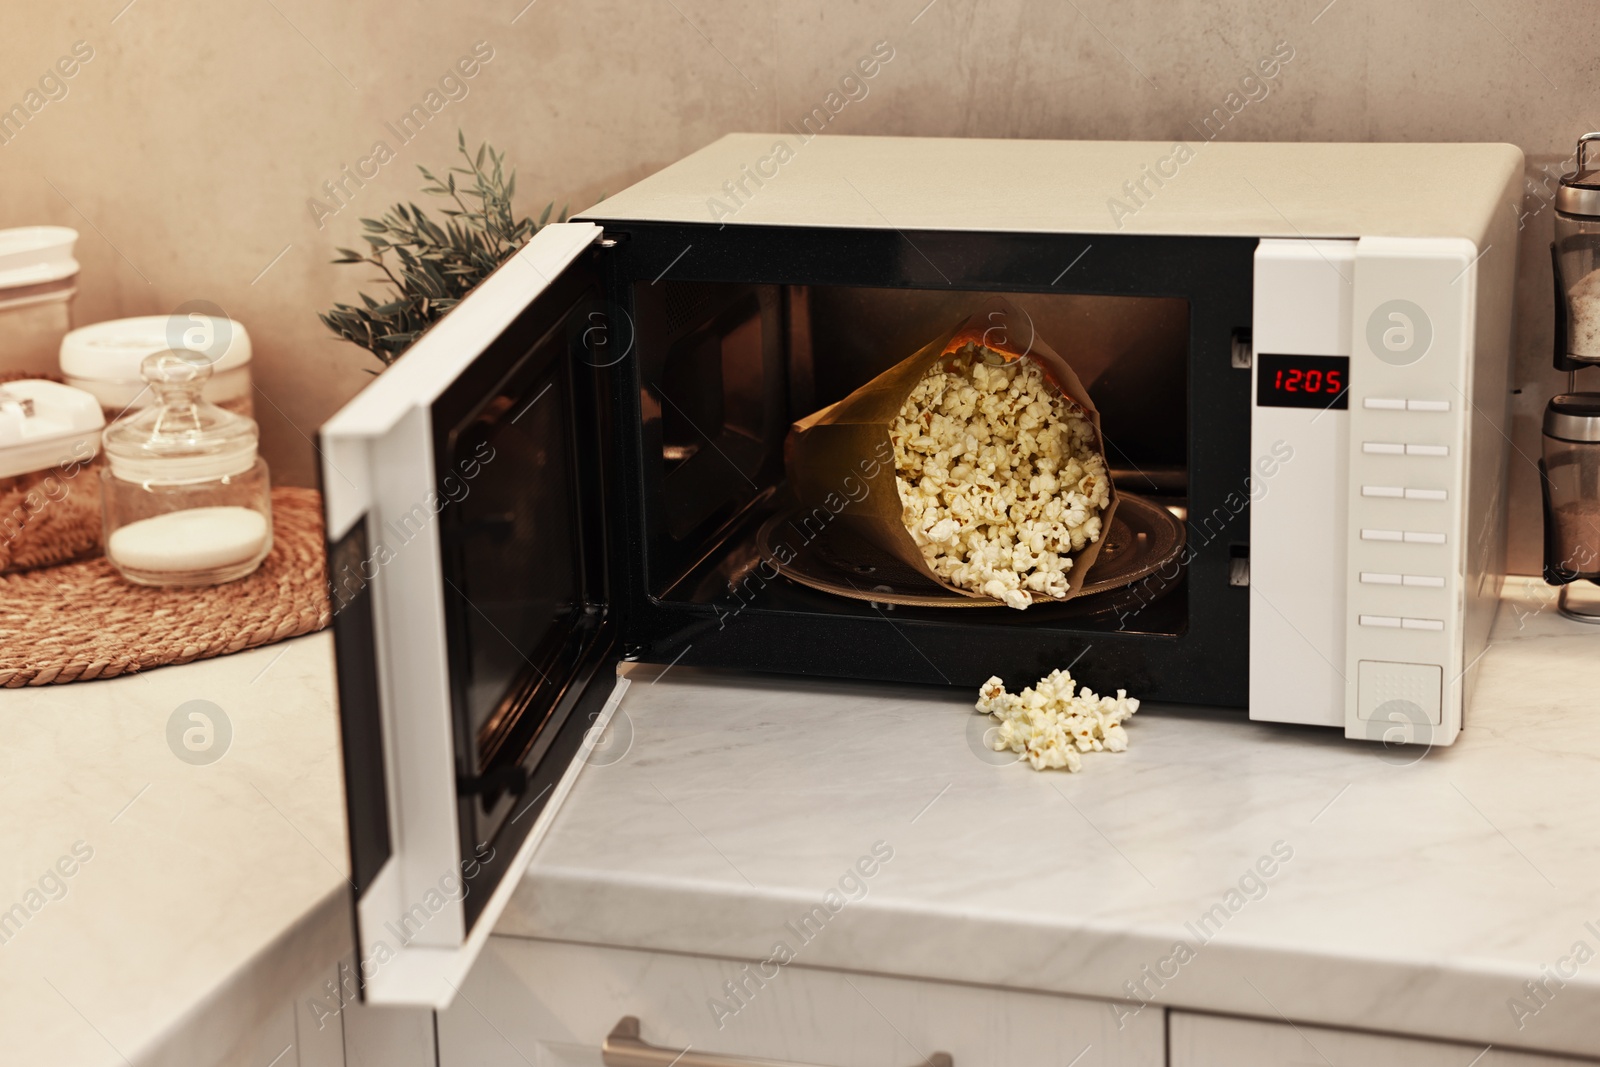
(1218, 1041)
(269, 1043)
(378, 1035)
(319, 1024)
(553, 1004)
(325, 1026)
(292, 1033)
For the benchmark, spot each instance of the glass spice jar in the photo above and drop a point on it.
(1570, 471)
(185, 496)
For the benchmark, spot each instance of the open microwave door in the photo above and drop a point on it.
(467, 571)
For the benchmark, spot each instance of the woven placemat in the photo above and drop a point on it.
(81, 621)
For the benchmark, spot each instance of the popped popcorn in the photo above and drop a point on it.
(1051, 725)
(1000, 477)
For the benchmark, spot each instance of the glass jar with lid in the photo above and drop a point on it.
(1570, 471)
(186, 498)
(1576, 262)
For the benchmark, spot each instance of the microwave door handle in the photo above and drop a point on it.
(623, 1047)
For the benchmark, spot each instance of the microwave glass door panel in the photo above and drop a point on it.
(520, 527)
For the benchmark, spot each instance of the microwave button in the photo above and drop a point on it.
(1422, 624)
(1400, 693)
(1379, 403)
(1388, 622)
(1427, 405)
(1424, 581)
(1382, 490)
(1378, 578)
(1427, 450)
(1423, 537)
(1382, 535)
(1382, 448)
(1425, 494)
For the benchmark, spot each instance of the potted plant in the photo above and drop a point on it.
(434, 265)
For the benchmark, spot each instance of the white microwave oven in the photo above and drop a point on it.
(1300, 352)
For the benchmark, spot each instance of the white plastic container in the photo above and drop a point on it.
(49, 482)
(38, 279)
(104, 359)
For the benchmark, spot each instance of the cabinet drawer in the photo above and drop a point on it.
(546, 1003)
(1217, 1041)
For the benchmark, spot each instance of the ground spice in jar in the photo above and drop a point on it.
(1577, 535)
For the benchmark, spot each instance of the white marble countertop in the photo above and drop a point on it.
(1419, 898)
(212, 893)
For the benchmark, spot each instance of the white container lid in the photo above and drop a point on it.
(46, 424)
(36, 255)
(112, 351)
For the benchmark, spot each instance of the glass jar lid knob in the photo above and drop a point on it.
(174, 370)
(177, 380)
(182, 437)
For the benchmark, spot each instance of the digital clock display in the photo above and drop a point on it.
(1302, 381)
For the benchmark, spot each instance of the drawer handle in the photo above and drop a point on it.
(623, 1047)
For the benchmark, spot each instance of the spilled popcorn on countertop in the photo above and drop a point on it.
(1051, 723)
(999, 476)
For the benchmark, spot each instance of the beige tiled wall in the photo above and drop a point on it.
(187, 148)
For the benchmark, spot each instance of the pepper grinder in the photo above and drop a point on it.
(1569, 467)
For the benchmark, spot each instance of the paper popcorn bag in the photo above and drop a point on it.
(845, 457)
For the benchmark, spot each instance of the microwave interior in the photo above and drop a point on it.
(726, 368)
(648, 494)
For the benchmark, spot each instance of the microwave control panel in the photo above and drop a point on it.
(1359, 422)
(1412, 340)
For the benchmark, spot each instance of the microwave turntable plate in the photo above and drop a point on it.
(1145, 537)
